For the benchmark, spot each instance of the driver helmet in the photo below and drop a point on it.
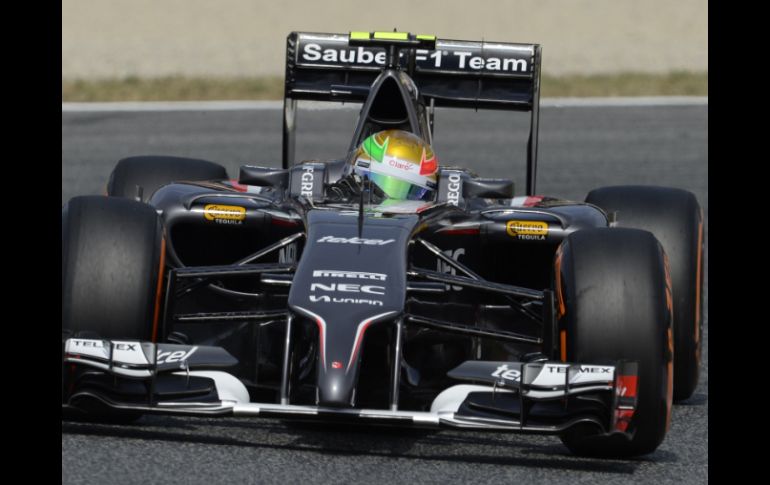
(401, 164)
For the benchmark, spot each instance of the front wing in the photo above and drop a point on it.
(534, 397)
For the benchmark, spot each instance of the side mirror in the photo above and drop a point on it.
(263, 176)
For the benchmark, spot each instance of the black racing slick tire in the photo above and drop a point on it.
(675, 218)
(112, 265)
(613, 305)
(139, 177)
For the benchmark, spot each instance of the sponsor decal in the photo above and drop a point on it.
(477, 63)
(453, 189)
(98, 344)
(473, 60)
(122, 354)
(527, 230)
(307, 181)
(176, 356)
(288, 254)
(583, 369)
(401, 165)
(88, 343)
(505, 373)
(330, 273)
(444, 267)
(355, 240)
(224, 214)
(348, 288)
(313, 52)
(357, 294)
(463, 59)
(354, 301)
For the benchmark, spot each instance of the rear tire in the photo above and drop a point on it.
(612, 305)
(675, 218)
(151, 172)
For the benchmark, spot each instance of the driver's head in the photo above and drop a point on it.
(399, 163)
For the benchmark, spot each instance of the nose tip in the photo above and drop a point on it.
(335, 389)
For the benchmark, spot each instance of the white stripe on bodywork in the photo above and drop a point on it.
(450, 399)
(229, 388)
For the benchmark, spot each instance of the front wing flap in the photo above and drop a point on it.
(136, 359)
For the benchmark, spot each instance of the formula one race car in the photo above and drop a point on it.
(384, 287)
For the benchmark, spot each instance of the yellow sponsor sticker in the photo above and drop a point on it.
(527, 229)
(391, 35)
(221, 213)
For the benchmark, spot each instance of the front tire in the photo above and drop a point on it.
(612, 303)
(111, 268)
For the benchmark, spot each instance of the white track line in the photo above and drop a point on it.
(627, 101)
(317, 105)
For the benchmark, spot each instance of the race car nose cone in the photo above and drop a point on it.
(335, 390)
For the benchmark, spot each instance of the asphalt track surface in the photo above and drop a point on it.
(580, 148)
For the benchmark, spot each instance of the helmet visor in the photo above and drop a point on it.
(395, 188)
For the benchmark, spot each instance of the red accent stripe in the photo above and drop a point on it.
(623, 419)
(358, 343)
(455, 232)
(322, 343)
(627, 386)
(670, 376)
(428, 167)
(72, 381)
(240, 188)
(159, 290)
(283, 222)
(562, 308)
(532, 201)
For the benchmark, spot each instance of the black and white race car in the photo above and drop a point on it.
(309, 292)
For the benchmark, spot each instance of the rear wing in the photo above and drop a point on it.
(457, 73)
